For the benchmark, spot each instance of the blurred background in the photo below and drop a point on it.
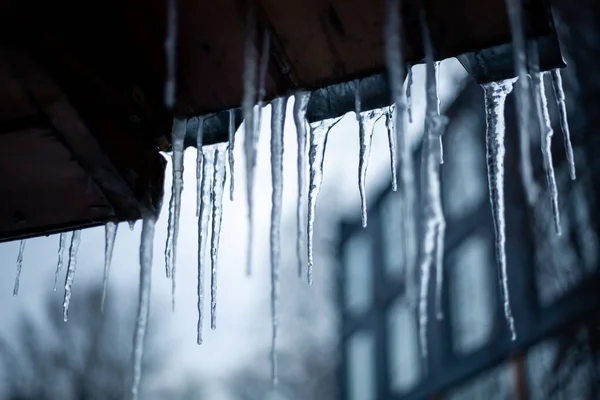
(353, 334)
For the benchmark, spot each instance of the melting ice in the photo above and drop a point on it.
(277, 124)
(495, 98)
(559, 94)
(75, 240)
(110, 234)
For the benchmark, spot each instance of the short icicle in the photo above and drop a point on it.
(523, 98)
(389, 125)
(495, 98)
(110, 234)
(231, 156)
(75, 240)
(171, 53)
(395, 68)
(143, 314)
(19, 267)
(300, 106)
(62, 245)
(409, 83)
(203, 220)
(277, 124)
(559, 95)
(177, 138)
(218, 188)
(251, 134)
(546, 133)
(316, 155)
(366, 125)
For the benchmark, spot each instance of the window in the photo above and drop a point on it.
(358, 288)
(391, 225)
(464, 175)
(497, 384)
(360, 378)
(404, 356)
(472, 285)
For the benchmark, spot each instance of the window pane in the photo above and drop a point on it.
(472, 281)
(359, 273)
(361, 367)
(497, 384)
(404, 357)
(464, 177)
(391, 225)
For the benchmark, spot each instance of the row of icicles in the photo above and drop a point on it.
(211, 174)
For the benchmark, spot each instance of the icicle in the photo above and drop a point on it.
(300, 106)
(110, 234)
(75, 240)
(495, 98)
(199, 144)
(177, 138)
(316, 155)
(366, 124)
(559, 94)
(409, 83)
(217, 215)
(433, 221)
(389, 124)
(523, 99)
(203, 220)
(395, 68)
(251, 135)
(231, 157)
(262, 77)
(547, 132)
(62, 245)
(131, 225)
(277, 124)
(19, 267)
(436, 66)
(146, 251)
(170, 53)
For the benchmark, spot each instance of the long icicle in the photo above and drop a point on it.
(559, 95)
(300, 106)
(277, 124)
(231, 156)
(389, 125)
(546, 132)
(395, 68)
(495, 99)
(433, 221)
(177, 140)
(110, 234)
(251, 135)
(262, 77)
(203, 220)
(62, 245)
(19, 267)
(171, 53)
(316, 155)
(199, 155)
(523, 98)
(143, 314)
(436, 66)
(75, 240)
(218, 188)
